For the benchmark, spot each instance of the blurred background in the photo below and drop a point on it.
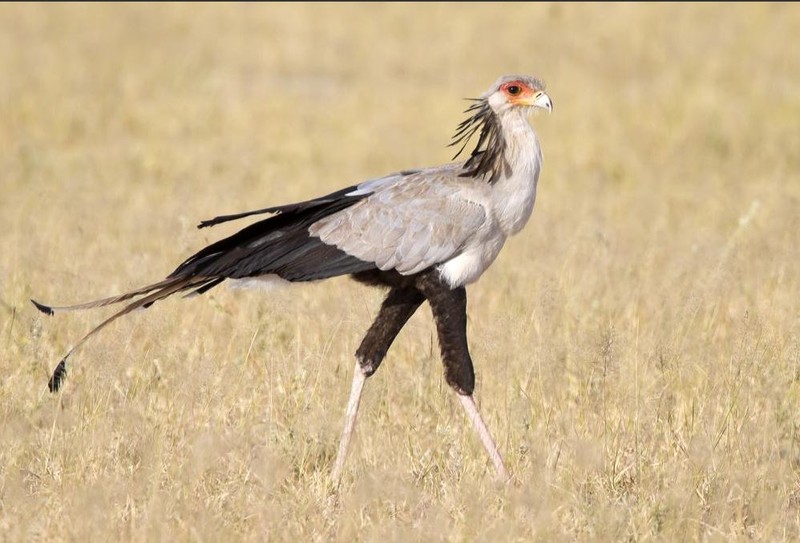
(636, 345)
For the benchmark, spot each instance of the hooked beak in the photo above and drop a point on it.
(540, 99)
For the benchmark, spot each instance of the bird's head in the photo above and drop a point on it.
(515, 91)
(510, 95)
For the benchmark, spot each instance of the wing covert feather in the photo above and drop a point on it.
(408, 225)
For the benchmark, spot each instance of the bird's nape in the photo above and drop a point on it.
(486, 159)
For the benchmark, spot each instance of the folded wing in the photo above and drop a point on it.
(407, 223)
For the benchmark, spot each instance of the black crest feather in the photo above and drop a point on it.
(487, 158)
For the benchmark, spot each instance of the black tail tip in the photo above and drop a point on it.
(59, 374)
(46, 309)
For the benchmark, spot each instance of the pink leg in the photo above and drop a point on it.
(350, 422)
(477, 421)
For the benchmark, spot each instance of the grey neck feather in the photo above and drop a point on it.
(487, 159)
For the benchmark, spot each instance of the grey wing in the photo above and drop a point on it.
(408, 223)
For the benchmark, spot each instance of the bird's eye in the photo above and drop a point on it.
(514, 90)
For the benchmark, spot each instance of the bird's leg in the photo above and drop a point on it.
(359, 378)
(449, 307)
(486, 438)
(395, 311)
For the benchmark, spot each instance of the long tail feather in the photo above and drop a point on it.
(225, 218)
(59, 374)
(165, 289)
(51, 309)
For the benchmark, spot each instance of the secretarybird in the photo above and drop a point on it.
(424, 234)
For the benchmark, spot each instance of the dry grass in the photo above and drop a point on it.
(636, 346)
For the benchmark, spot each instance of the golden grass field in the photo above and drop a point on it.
(637, 346)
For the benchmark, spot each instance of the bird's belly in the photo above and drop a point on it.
(468, 266)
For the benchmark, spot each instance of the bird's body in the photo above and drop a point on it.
(423, 233)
